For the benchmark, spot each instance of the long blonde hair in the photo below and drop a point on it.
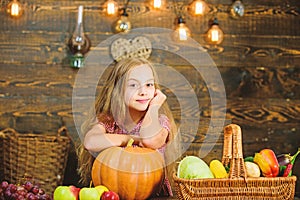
(114, 90)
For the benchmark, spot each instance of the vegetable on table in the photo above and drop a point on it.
(267, 162)
(117, 168)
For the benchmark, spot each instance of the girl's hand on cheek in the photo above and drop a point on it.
(159, 98)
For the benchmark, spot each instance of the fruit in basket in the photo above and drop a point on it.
(17, 191)
(115, 167)
(252, 169)
(267, 162)
(110, 195)
(4, 185)
(28, 185)
(90, 193)
(193, 167)
(218, 169)
(66, 193)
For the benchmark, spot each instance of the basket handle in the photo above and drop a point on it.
(8, 130)
(237, 165)
(227, 147)
(62, 130)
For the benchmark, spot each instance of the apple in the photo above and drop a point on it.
(101, 189)
(66, 193)
(89, 194)
(110, 195)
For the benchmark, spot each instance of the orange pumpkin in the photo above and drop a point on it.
(132, 172)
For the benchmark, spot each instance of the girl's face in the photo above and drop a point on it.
(139, 88)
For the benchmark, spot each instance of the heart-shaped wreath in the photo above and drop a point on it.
(137, 47)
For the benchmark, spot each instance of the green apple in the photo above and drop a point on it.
(89, 194)
(101, 189)
(66, 193)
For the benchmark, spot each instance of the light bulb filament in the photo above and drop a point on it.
(214, 35)
(199, 8)
(15, 9)
(157, 3)
(110, 8)
(182, 34)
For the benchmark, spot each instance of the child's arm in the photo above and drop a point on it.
(97, 140)
(153, 135)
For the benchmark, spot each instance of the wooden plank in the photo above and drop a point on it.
(261, 82)
(235, 51)
(251, 3)
(270, 111)
(239, 82)
(275, 113)
(37, 122)
(272, 114)
(258, 19)
(225, 2)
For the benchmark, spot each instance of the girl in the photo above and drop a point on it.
(131, 105)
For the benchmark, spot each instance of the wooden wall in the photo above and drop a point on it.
(259, 61)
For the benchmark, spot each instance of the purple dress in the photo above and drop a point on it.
(112, 127)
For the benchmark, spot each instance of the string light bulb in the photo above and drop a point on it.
(215, 34)
(122, 25)
(182, 32)
(158, 4)
(198, 7)
(237, 9)
(15, 9)
(111, 7)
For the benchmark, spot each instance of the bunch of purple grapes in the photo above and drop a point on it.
(26, 191)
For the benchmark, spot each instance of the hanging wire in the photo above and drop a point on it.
(287, 3)
(126, 2)
(177, 8)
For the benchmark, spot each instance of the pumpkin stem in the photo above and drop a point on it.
(91, 182)
(130, 142)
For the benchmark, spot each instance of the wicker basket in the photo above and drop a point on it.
(41, 158)
(238, 185)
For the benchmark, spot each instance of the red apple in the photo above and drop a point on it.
(110, 195)
(66, 193)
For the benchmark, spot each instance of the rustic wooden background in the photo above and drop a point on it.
(259, 61)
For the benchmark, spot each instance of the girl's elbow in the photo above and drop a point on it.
(156, 141)
(92, 136)
(149, 143)
(87, 144)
